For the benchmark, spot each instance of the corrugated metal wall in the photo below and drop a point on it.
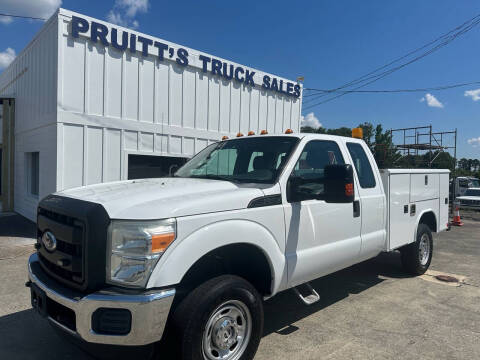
(113, 103)
(32, 80)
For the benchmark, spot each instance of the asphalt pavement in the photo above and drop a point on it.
(369, 311)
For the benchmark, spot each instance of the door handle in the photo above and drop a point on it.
(356, 208)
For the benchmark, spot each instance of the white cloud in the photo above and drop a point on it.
(6, 57)
(474, 94)
(124, 12)
(5, 20)
(310, 120)
(474, 141)
(432, 101)
(38, 8)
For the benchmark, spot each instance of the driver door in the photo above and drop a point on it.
(321, 237)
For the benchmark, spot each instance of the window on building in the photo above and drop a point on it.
(362, 165)
(151, 166)
(33, 172)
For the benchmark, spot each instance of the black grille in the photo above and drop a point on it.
(66, 262)
(80, 228)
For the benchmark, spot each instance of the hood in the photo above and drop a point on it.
(464, 197)
(165, 197)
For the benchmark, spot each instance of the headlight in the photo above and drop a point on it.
(134, 248)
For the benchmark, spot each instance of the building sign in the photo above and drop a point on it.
(125, 40)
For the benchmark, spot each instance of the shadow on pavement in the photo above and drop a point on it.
(286, 308)
(17, 226)
(25, 335)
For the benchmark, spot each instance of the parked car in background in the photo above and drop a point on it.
(471, 199)
(462, 183)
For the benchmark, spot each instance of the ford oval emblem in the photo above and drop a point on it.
(49, 241)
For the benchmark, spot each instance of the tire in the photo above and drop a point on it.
(207, 321)
(417, 256)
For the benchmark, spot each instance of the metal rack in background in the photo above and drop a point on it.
(422, 139)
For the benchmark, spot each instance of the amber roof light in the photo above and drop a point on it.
(357, 133)
(224, 137)
(263, 132)
(250, 133)
(239, 134)
(289, 131)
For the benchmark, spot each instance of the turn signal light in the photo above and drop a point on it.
(224, 137)
(289, 131)
(349, 189)
(263, 132)
(357, 133)
(250, 133)
(239, 134)
(161, 242)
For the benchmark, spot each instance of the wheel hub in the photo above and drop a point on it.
(424, 249)
(225, 333)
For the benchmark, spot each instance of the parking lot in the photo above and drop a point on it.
(369, 311)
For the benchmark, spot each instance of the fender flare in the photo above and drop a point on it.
(178, 259)
(420, 216)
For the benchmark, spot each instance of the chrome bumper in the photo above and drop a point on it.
(149, 312)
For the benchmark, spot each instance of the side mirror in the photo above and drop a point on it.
(339, 184)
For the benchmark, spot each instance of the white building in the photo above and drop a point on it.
(87, 102)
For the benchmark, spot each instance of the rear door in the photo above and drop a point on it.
(373, 202)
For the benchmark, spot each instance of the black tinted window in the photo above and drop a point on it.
(472, 192)
(309, 169)
(362, 165)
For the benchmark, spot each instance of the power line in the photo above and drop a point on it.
(353, 82)
(22, 17)
(447, 38)
(437, 88)
(373, 77)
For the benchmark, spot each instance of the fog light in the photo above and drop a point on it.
(107, 321)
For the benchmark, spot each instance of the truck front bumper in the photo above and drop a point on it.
(73, 313)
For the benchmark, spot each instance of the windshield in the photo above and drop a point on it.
(472, 192)
(254, 160)
(475, 182)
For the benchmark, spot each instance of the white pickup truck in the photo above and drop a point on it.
(191, 258)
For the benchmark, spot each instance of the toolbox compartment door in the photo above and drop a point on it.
(444, 195)
(424, 187)
(401, 224)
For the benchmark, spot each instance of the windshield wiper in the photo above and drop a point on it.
(215, 177)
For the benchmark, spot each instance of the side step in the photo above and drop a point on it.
(307, 293)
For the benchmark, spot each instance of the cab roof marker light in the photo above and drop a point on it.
(357, 133)
(224, 137)
(239, 134)
(289, 131)
(250, 133)
(263, 132)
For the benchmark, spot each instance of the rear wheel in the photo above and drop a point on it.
(416, 257)
(222, 319)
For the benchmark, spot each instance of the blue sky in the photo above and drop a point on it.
(327, 42)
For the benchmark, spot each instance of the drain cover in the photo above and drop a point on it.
(446, 278)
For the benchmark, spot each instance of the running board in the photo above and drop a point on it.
(309, 296)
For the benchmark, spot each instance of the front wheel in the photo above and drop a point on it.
(222, 319)
(417, 256)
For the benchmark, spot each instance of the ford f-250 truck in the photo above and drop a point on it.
(192, 257)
